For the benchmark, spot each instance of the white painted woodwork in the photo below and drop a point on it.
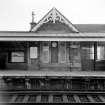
(65, 99)
(90, 99)
(50, 99)
(76, 98)
(13, 98)
(54, 15)
(38, 98)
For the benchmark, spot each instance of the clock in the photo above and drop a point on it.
(54, 44)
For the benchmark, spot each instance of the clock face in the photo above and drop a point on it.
(54, 44)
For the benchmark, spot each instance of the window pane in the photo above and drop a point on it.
(100, 60)
(100, 53)
(91, 52)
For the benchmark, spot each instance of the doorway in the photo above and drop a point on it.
(54, 52)
(3, 61)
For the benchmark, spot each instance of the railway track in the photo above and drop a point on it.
(32, 90)
(43, 97)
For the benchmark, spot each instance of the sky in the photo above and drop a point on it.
(15, 15)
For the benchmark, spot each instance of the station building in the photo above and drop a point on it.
(55, 48)
(54, 44)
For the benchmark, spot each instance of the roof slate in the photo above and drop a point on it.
(90, 28)
(83, 28)
(55, 28)
(62, 28)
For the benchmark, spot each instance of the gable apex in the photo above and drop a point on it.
(53, 16)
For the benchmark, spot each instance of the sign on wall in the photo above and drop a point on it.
(33, 52)
(17, 57)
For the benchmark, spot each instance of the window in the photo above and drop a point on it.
(17, 57)
(92, 53)
(88, 51)
(87, 56)
(100, 53)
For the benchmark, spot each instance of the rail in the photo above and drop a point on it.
(52, 97)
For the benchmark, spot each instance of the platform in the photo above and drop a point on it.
(52, 73)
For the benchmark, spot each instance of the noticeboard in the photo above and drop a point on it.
(33, 52)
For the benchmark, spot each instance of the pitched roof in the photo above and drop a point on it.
(53, 18)
(91, 28)
(55, 22)
(83, 28)
(62, 28)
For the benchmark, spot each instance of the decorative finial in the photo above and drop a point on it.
(53, 8)
(54, 15)
(33, 16)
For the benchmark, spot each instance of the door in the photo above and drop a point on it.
(45, 53)
(54, 52)
(2, 61)
(34, 58)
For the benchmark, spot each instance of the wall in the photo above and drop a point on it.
(71, 56)
(67, 56)
(6, 48)
(33, 55)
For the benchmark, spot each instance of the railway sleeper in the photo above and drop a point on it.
(53, 98)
